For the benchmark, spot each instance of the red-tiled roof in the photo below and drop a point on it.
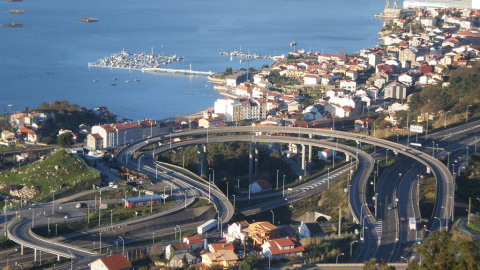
(194, 239)
(263, 184)
(222, 246)
(116, 262)
(277, 244)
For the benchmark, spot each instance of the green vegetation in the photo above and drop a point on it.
(65, 140)
(119, 213)
(475, 224)
(325, 249)
(5, 243)
(447, 250)
(428, 189)
(61, 172)
(228, 71)
(67, 116)
(468, 183)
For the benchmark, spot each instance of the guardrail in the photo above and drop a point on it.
(32, 245)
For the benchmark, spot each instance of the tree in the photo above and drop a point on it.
(65, 140)
(184, 261)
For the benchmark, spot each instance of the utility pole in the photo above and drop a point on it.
(339, 221)
(469, 206)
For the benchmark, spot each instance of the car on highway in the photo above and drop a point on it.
(67, 216)
(403, 219)
(390, 207)
(35, 204)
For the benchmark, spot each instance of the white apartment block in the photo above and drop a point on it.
(117, 134)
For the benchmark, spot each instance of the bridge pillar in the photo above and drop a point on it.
(396, 154)
(21, 249)
(35, 255)
(428, 170)
(256, 160)
(250, 164)
(310, 150)
(303, 159)
(205, 167)
(199, 160)
(347, 158)
(58, 258)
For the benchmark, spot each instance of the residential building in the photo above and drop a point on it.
(396, 90)
(221, 258)
(94, 141)
(175, 249)
(29, 135)
(236, 78)
(310, 229)
(194, 242)
(8, 137)
(261, 232)
(120, 133)
(312, 79)
(210, 122)
(260, 186)
(220, 246)
(325, 154)
(282, 248)
(142, 200)
(114, 262)
(348, 85)
(236, 231)
(177, 260)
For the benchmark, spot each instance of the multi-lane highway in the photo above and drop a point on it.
(193, 188)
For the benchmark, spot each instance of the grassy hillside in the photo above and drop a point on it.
(62, 172)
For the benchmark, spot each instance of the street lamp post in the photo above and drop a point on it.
(466, 115)
(71, 259)
(100, 247)
(351, 244)
(401, 257)
(53, 203)
(341, 254)
(277, 179)
(213, 178)
(139, 161)
(440, 221)
(273, 217)
(123, 245)
(445, 124)
(283, 186)
(234, 202)
(180, 231)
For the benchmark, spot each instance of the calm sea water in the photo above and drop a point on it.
(47, 59)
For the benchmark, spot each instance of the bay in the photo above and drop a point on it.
(47, 59)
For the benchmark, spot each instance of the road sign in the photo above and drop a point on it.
(416, 129)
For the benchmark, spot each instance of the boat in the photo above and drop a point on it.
(293, 44)
(86, 19)
(10, 105)
(114, 79)
(137, 80)
(95, 80)
(12, 25)
(127, 81)
(113, 84)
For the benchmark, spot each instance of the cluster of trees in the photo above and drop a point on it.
(228, 71)
(444, 250)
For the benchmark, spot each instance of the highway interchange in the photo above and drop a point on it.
(450, 140)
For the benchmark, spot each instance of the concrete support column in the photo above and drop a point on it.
(256, 160)
(303, 159)
(205, 167)
(58, 258)
(21, 249)
(35, 255)
(199, 160)
(428, 170)
(347, 158)
(396, 154)
(310, 150)
(250, 164)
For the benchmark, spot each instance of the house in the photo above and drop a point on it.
(348, 85)
(260, 186)
(94, 141)
(8, 137)
(235, 79)
(236, 231)
(74, 136)
(312, 79)
(261, 232)
(210, 122)
(28, 135)
(177, 248)
(115, 262)
(119, 133)
(396, 90)
(194, 242)
(282, 248)
(222, 258)
(363, 123)
(177, 260)
(310, 229)
(325, 154)
(220, 246)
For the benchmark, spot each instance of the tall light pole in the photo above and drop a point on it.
(273, 217)
(466, 115)
(139, 159)
(445, 124)
(341, 254)
(53, 203)
(277, 179)
(351, 244)
(100, 244)
(440, 221)
(123, 245)
(71, 259)
(283, 186)
(213, 178)
(180, 231)
(234, 202)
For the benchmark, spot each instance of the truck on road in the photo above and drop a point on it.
(207, 226)
(412, 224)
